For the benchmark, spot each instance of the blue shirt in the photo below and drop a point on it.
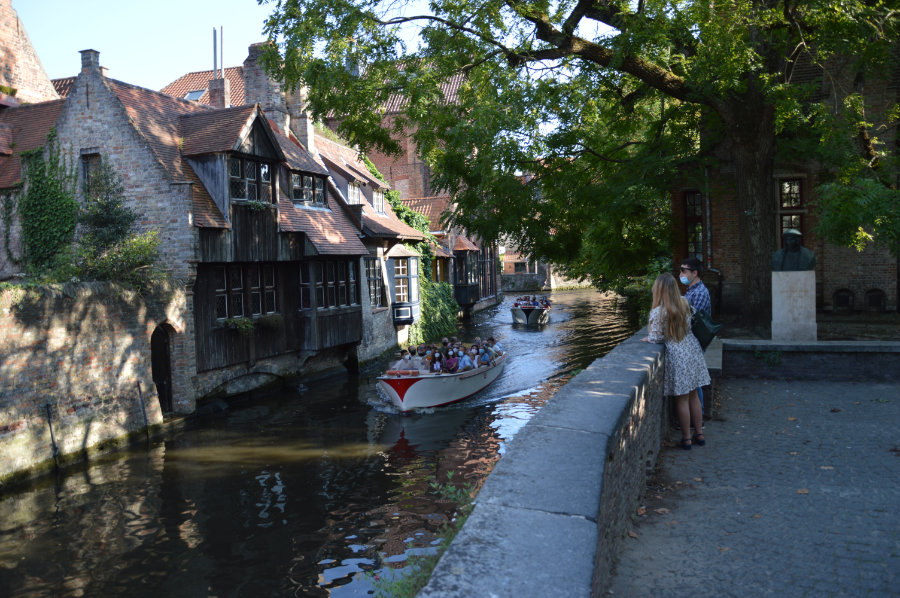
(698, 296)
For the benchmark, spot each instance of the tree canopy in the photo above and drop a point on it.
(562, 125)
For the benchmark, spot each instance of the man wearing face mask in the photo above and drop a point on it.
(697, 294)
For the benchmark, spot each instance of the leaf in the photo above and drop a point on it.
(827, 467)
(792, 419)
(642, 511)
(803, 491)
(661, 511)
(632, 534)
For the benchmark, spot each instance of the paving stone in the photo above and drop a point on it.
(795, 494)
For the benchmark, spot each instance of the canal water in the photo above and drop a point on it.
(313, 490)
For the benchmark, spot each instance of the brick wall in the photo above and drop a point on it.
(81, 349)
(20, 67)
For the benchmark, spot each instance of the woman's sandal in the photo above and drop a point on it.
(686, 444)
(699, 440)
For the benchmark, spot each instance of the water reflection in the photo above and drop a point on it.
(293, 493)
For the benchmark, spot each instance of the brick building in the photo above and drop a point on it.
(706, 225)
(22, 78)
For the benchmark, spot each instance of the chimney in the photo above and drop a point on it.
(90, 60)
(220, 93)
(301, 122)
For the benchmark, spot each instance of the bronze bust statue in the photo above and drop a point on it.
(793, 257)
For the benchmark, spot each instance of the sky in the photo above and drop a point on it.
(149, 44)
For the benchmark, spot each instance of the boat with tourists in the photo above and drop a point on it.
(416, 389)
(531, 310)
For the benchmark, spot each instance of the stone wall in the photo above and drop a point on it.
(82, 350)
(20, 67)
(556, 507)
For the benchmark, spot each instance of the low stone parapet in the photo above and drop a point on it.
(550, 517)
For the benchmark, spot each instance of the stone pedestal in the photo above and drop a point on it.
(794, 306)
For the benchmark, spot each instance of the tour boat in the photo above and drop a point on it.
(523, 312)
(413, 389)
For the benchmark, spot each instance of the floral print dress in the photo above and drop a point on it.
(685, 365)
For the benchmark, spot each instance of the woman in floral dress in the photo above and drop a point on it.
(685, 367)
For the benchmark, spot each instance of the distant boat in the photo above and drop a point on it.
(412, 389)
(525, 312)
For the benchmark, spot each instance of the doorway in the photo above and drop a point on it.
(161, 362)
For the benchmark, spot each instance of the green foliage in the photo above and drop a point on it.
(639, 290)
(47, 208)
(132, 261)
(569, 124)
(439, 310)
(104, 218)
(242, 324)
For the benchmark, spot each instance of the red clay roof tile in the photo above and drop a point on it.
(199, 80)
(26, 128)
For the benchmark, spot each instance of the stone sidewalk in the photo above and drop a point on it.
(796, 493)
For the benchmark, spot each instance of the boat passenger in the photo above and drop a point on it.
(484, 358)
(404, 363)
(465, 362)
(496, 344)
(451, 364)
(436, 364)
(492, 353)
(445, 347)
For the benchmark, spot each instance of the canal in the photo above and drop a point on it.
(310, 490)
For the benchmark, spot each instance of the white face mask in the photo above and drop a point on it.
(406, 357)
(684, 280)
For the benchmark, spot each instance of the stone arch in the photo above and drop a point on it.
(161, 364)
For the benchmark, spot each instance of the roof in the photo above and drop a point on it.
(198, 80)
(432, 208)
(377, 224)
(157, 118)
(213, 131)
(329, 230)
(296, 156)
(64, 86)
(24, 128)
(449, 88)
(464, 244)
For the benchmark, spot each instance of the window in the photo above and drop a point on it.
(244, 290)
(790, 205)
(250, 179)
(307, 188)
(335, 284)
(306, 285)
(693, 224)
(353, 195)
(375, 282)
(90, 168)
(378, 200)
(406, 282)
(195, 94)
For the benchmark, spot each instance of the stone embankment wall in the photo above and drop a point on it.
(82, 350)
(551, 516)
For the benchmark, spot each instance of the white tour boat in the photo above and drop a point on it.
(526, 313)
(414, 389)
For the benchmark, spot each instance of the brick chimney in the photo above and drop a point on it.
(90, 60)
(220, 93)
(301, 122)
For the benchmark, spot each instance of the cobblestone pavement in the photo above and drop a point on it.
(796, 493)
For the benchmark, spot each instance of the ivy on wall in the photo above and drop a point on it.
(438, 306)
(48, 210)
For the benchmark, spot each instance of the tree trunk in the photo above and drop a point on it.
(752, 131)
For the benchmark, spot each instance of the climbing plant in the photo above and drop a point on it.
(47, 209)
(438, 306)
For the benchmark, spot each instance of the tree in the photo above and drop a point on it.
(603, 102)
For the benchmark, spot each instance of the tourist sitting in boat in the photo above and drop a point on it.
(491, 351)
(436, 363)
(466, 362)
(484, 358)
(404, 363)
(451, 364)
(496, 345)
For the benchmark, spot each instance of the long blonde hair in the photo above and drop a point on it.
(665, 293)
